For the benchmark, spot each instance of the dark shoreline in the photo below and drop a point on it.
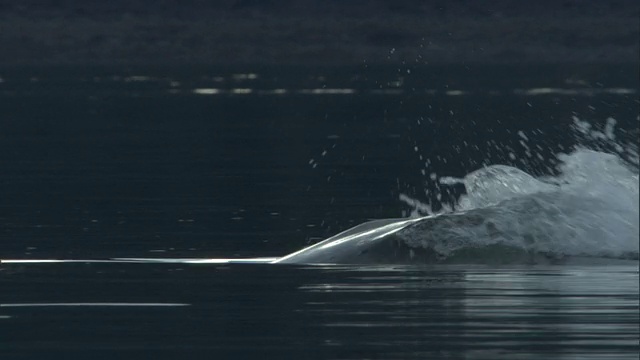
(310, 32)
(407, 79)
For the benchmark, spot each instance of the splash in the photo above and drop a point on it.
(589, 209)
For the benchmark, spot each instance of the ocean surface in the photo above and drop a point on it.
(125, 191)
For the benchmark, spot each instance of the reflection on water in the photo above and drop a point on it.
(320, 312)
(476, 312)
(89, 304)
(480, 81)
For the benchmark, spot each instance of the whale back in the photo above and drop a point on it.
(367, 243)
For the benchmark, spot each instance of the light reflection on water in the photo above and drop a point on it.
(243, 84)
(529, 312)
(346, 312)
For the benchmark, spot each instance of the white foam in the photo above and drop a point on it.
(496, 183)
(589, 209)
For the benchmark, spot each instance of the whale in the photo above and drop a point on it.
(372, 242)
(542, 228)
(414, 241)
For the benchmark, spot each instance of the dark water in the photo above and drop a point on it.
(320, 313)
(196, 163)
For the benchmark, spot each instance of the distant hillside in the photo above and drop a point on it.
(317, 31)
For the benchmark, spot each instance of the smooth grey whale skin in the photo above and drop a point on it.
(379, 242)
(372, 242)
